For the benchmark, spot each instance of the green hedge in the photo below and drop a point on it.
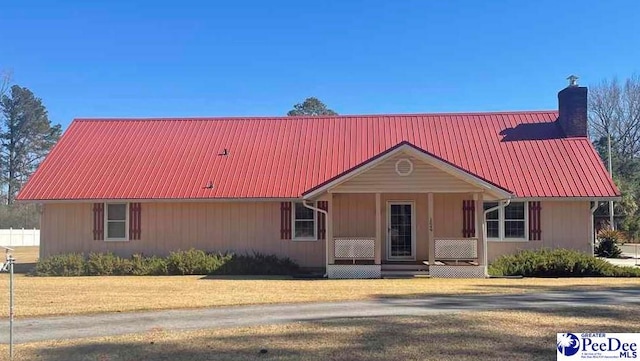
(191, 262)
(557, 263)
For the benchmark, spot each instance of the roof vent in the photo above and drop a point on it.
(404, 167)
(224, 152)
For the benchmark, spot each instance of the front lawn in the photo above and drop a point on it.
(39, 296)
(494, 335)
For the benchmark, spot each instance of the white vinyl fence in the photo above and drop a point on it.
(19, 237)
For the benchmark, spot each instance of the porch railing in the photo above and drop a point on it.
(456, 249)
(354, 248)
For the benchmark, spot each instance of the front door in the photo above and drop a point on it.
(400, 231)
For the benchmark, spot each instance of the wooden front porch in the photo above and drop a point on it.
(426, 231)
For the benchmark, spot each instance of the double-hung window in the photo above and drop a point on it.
(116, 221)
(507, 223)
(303, 222)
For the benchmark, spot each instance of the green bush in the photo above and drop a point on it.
(608, 241)
(256, 263)
(101, 264)
(557, 263)
(70, 264)
(193, 262)
(190, 262)
(148, 266)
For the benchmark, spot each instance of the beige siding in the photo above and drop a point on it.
(447, 217)
(239, 226)
(564, 225)
(354, 215)
(424, 178)
(256, 227)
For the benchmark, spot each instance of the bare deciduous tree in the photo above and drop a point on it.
(614, 109)
(5, 81)
(614, 114)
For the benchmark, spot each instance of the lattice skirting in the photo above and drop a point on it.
(354, 271)
(456, 271)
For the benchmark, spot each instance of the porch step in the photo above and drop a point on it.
(404, 274)
(404, 267)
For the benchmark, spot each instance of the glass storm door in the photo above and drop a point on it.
(400, 222)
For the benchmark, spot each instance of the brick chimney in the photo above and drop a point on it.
(572, 107)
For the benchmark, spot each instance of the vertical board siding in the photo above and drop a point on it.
(354, 215)
(448, 215)
(424, 178)
(238, 227)
(564, 224)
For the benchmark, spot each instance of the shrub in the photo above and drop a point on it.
(608, 241)
(190, 262)
(557, 263)
(148, 266)
(98, 264)
(70, 264)
(257, 264)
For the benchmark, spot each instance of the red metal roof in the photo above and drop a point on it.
(282, 157)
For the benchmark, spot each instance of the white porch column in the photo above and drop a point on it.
(430, 240)
(329, 235)
(378, 250)
(482, 254)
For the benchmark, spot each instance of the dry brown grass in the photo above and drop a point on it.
(39, 296)
(26, 254)
(494, 335)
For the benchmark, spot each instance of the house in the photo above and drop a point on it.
(353, 194)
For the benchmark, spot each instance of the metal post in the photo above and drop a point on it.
(11, 261)
(611, 221)
(8, 265)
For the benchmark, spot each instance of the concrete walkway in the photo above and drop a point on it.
(631, 254)
(69, 327)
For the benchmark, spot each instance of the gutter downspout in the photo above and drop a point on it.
(595, 206)
(326, 236)
(501, 204)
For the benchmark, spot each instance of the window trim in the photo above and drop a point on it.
(501, 223)
(293, 224)
(126, 223)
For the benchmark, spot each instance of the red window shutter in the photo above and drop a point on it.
(535, 230)
(468, 219)
(322, 230)
(98, 221)
(285, 220)
(135, 230)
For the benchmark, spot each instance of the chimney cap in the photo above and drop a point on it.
(573, 80)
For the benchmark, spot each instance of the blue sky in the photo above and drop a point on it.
(233, 58)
